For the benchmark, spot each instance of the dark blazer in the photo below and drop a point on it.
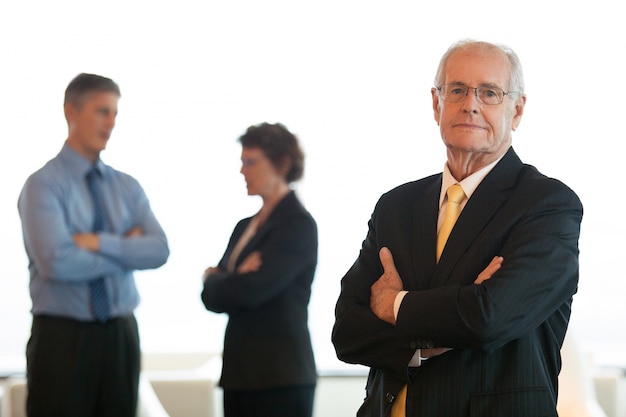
(506, 333)
(267, 342)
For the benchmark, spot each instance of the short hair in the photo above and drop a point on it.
(83, 84)
(279, 145)
(516, 75)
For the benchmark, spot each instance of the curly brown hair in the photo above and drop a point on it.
(279, 145)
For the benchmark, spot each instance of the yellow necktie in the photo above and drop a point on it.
(398, 409)
(453, 209)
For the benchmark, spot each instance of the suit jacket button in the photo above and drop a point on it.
(413, 345)
(430, 344)
(390, 397)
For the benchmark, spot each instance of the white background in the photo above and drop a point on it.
(352, 79)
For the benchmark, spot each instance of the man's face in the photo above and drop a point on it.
(91, 123)
(470, 126)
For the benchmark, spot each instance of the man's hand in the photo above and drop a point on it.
(432, 352)
(252, 263)
(134, 232)
(384, 291)
(491, 269)
(87, 241)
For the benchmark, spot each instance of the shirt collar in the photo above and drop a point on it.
(77, 164)
(469, 184)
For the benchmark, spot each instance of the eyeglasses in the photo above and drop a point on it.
(486, 95)
(248, 162)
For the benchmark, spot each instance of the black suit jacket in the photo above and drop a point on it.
(506, 333)
(267, 342)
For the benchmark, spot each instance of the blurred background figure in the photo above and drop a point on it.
(86, 228)
(263, 282)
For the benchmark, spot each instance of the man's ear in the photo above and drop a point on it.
(518, 111)
(436, 107)
(70, 111)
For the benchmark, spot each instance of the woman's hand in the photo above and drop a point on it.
(209, 271)
(252, 263)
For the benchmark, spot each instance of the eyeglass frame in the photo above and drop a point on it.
(467, 88)
(249, 162)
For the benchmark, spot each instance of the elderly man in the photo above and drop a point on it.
(461, 295)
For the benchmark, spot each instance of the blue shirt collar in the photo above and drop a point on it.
(78, 164)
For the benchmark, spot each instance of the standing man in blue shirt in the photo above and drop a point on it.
(86, 228)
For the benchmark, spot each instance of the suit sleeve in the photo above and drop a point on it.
(287, 249)
(358, 335)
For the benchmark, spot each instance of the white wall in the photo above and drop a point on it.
(351, 78)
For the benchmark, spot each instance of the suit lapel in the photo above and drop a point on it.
(424, 234)
(278, 213)
(492, 192)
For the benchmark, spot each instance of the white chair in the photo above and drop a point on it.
(610, 384)
(149, 404)
(14, 400)
(577, 397)
(185, 383)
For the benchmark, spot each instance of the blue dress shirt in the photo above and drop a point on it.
(54, 205)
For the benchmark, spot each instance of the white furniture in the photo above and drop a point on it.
(14, 399)
(185, 385)
(610, 386)
(577, 396)
(149, 404)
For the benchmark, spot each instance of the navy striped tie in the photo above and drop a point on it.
(97, 291)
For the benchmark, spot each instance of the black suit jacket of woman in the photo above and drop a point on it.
(506, 333)
(267, 342)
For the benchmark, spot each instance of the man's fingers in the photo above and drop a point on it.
(432, 352)
(494, 265)
(386, 259)
(134, 232)
(492, 268)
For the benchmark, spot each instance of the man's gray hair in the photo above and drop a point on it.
(516, 77)
(84, 83)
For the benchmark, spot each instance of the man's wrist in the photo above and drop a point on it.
(397, 302)
(416, 359)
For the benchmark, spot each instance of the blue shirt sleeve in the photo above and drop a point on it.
(48, 235)
(149, 249)
(54, 206)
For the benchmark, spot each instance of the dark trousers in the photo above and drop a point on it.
(279, 402)
(80, 369)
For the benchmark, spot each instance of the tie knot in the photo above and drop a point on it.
(93, 174)
(455, 194)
